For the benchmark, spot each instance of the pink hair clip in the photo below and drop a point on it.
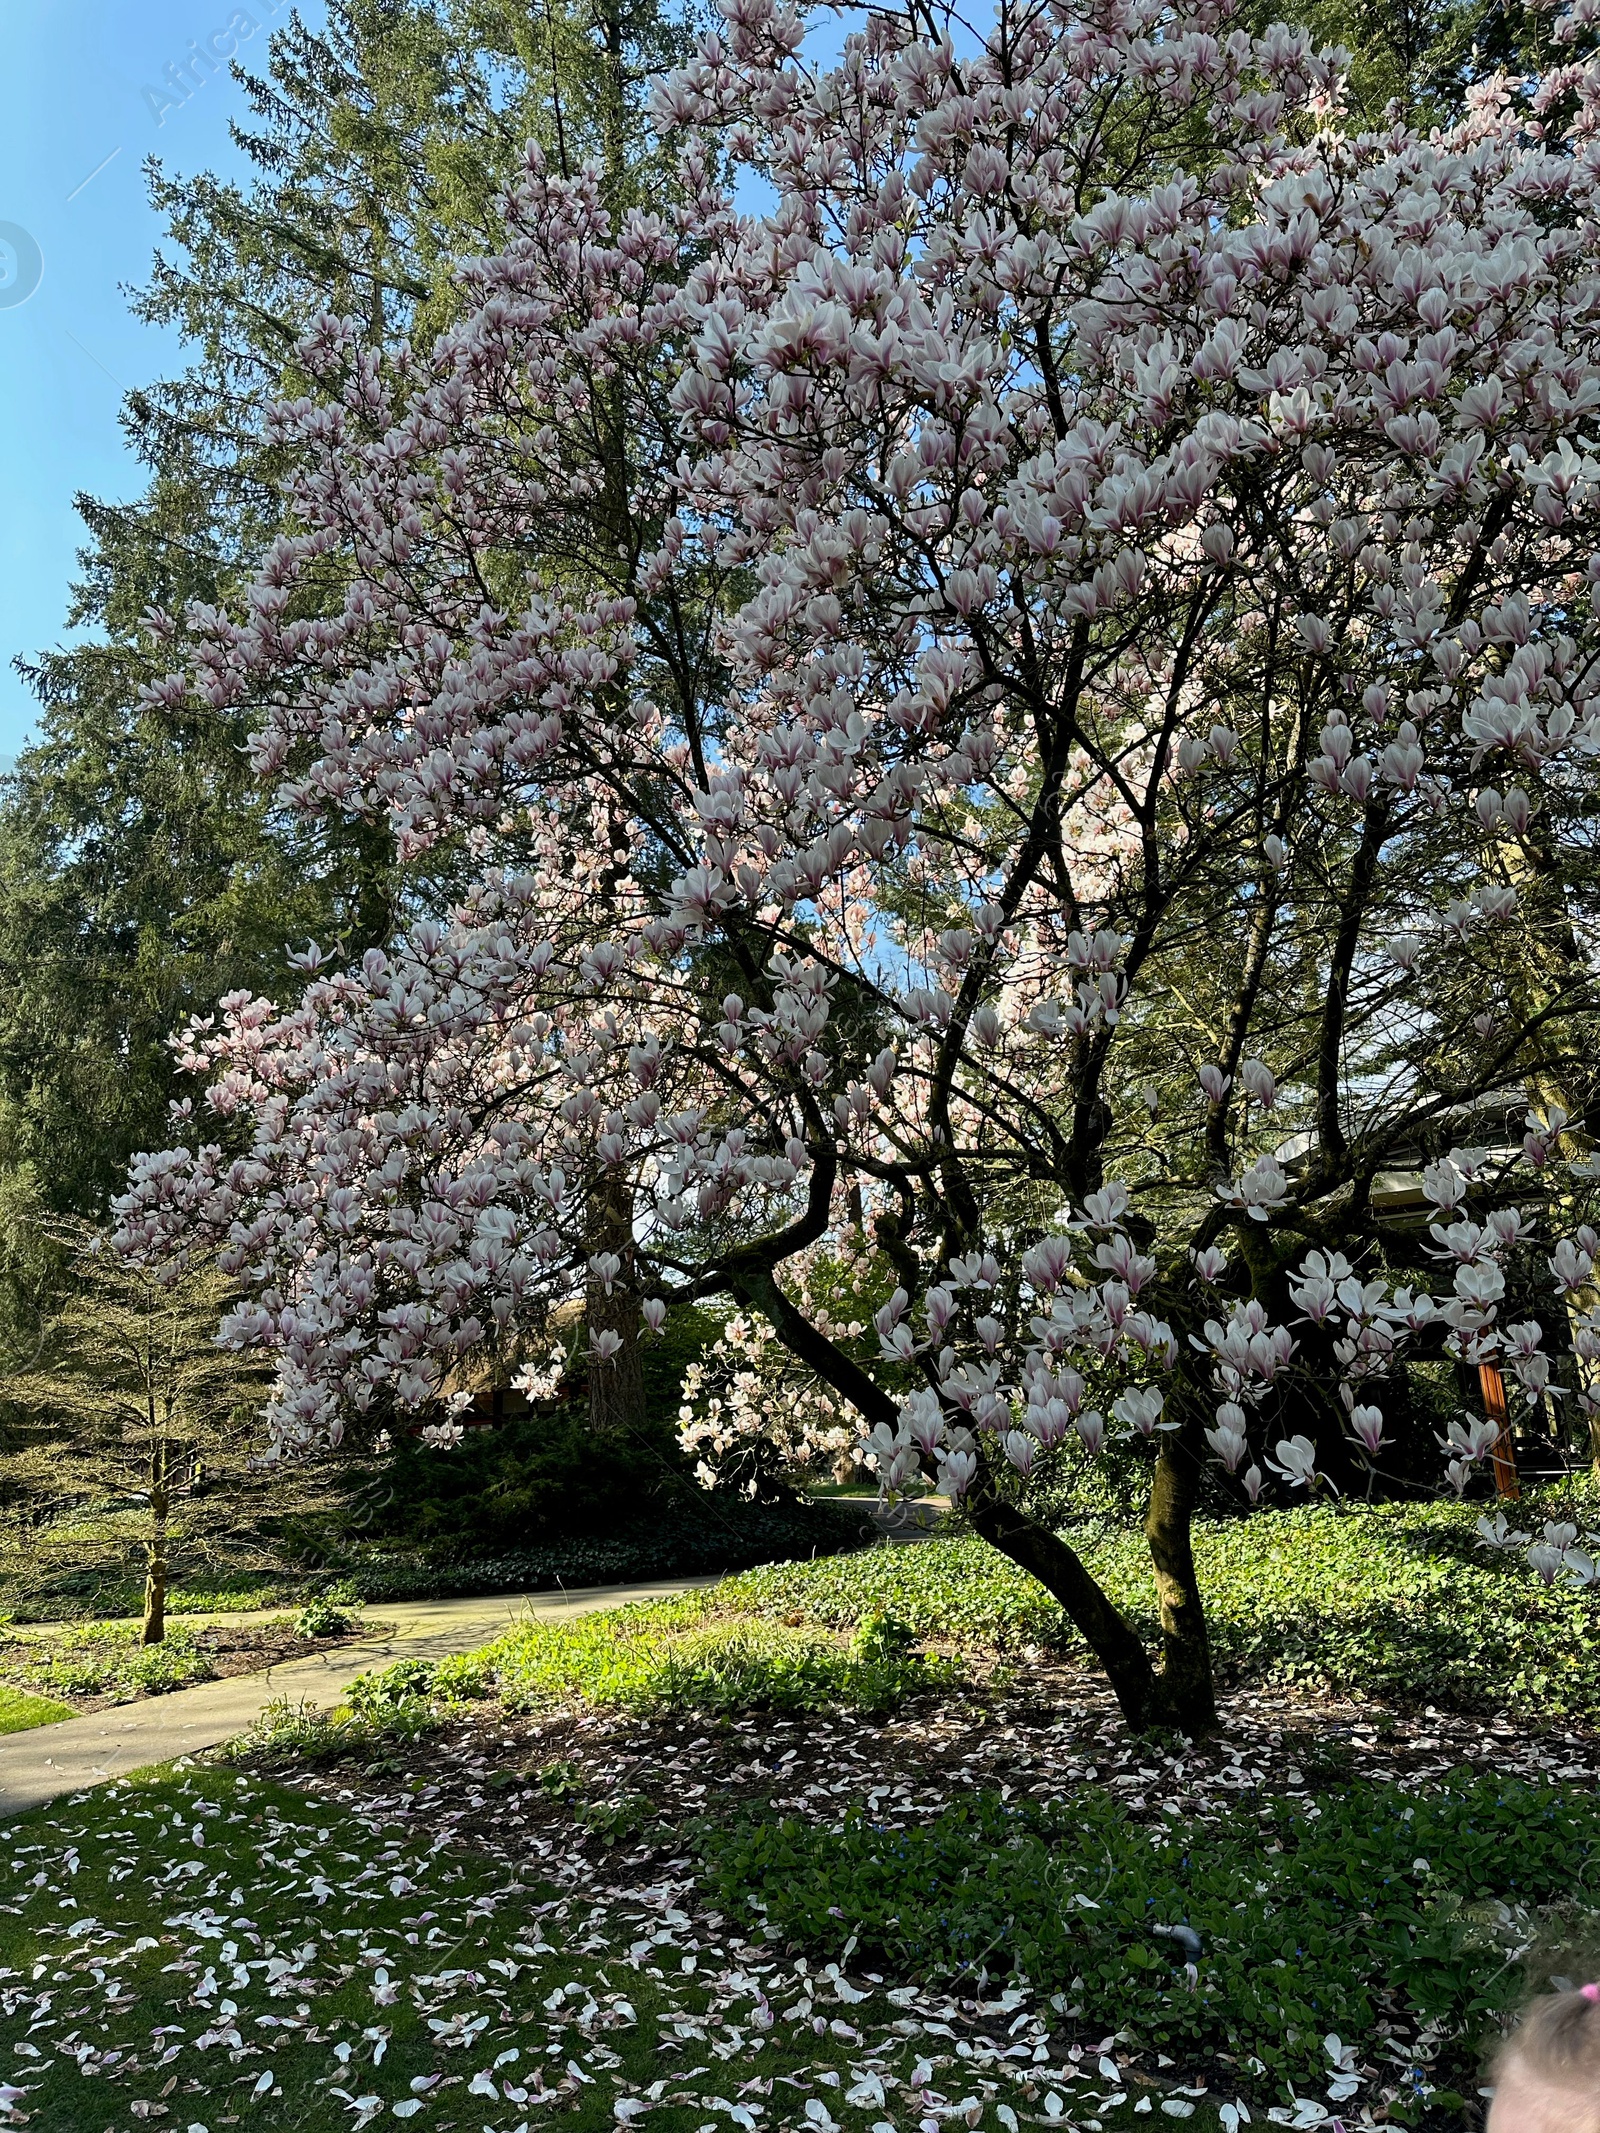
(1590, 1992)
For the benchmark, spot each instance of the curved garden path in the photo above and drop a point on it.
(47, 1761)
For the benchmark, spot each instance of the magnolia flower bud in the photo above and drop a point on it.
(957, 1472)
(1403, 949)
(1052, 1422)
(1215, 1083)
(1229, 1443)
(940, 1308)
(1367, 1423)
(1256, 1080)
(605, 1266)
(1021, 1449)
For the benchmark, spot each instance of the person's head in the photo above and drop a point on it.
(1547, 2077)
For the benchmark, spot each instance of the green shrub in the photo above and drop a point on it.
(289, 1735)
(524, 1483)
(388, 1688)
(1400, 1602)
(543, 1477)
(883, 1638)
(324, 1616)
(681, 1655)
(1313, 1918)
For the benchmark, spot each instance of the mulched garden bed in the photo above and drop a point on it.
(61, 1665)
(1038, 1730)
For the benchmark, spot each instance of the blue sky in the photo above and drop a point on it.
(90, 99)
(97, 87)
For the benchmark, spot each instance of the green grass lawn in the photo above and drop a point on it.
(20, 1712)
(206, 1949)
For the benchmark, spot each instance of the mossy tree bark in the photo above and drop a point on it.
(154, 1630)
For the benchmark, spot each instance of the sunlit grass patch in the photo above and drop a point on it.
(20, 1711)
(687, 1655)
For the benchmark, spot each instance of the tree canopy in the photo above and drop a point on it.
(144, 872)
(1037, 691)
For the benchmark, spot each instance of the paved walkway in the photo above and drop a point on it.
(48, 1761)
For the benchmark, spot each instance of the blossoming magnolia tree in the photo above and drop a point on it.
(1044, 688)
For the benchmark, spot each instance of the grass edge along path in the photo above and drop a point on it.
(21, 1711)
